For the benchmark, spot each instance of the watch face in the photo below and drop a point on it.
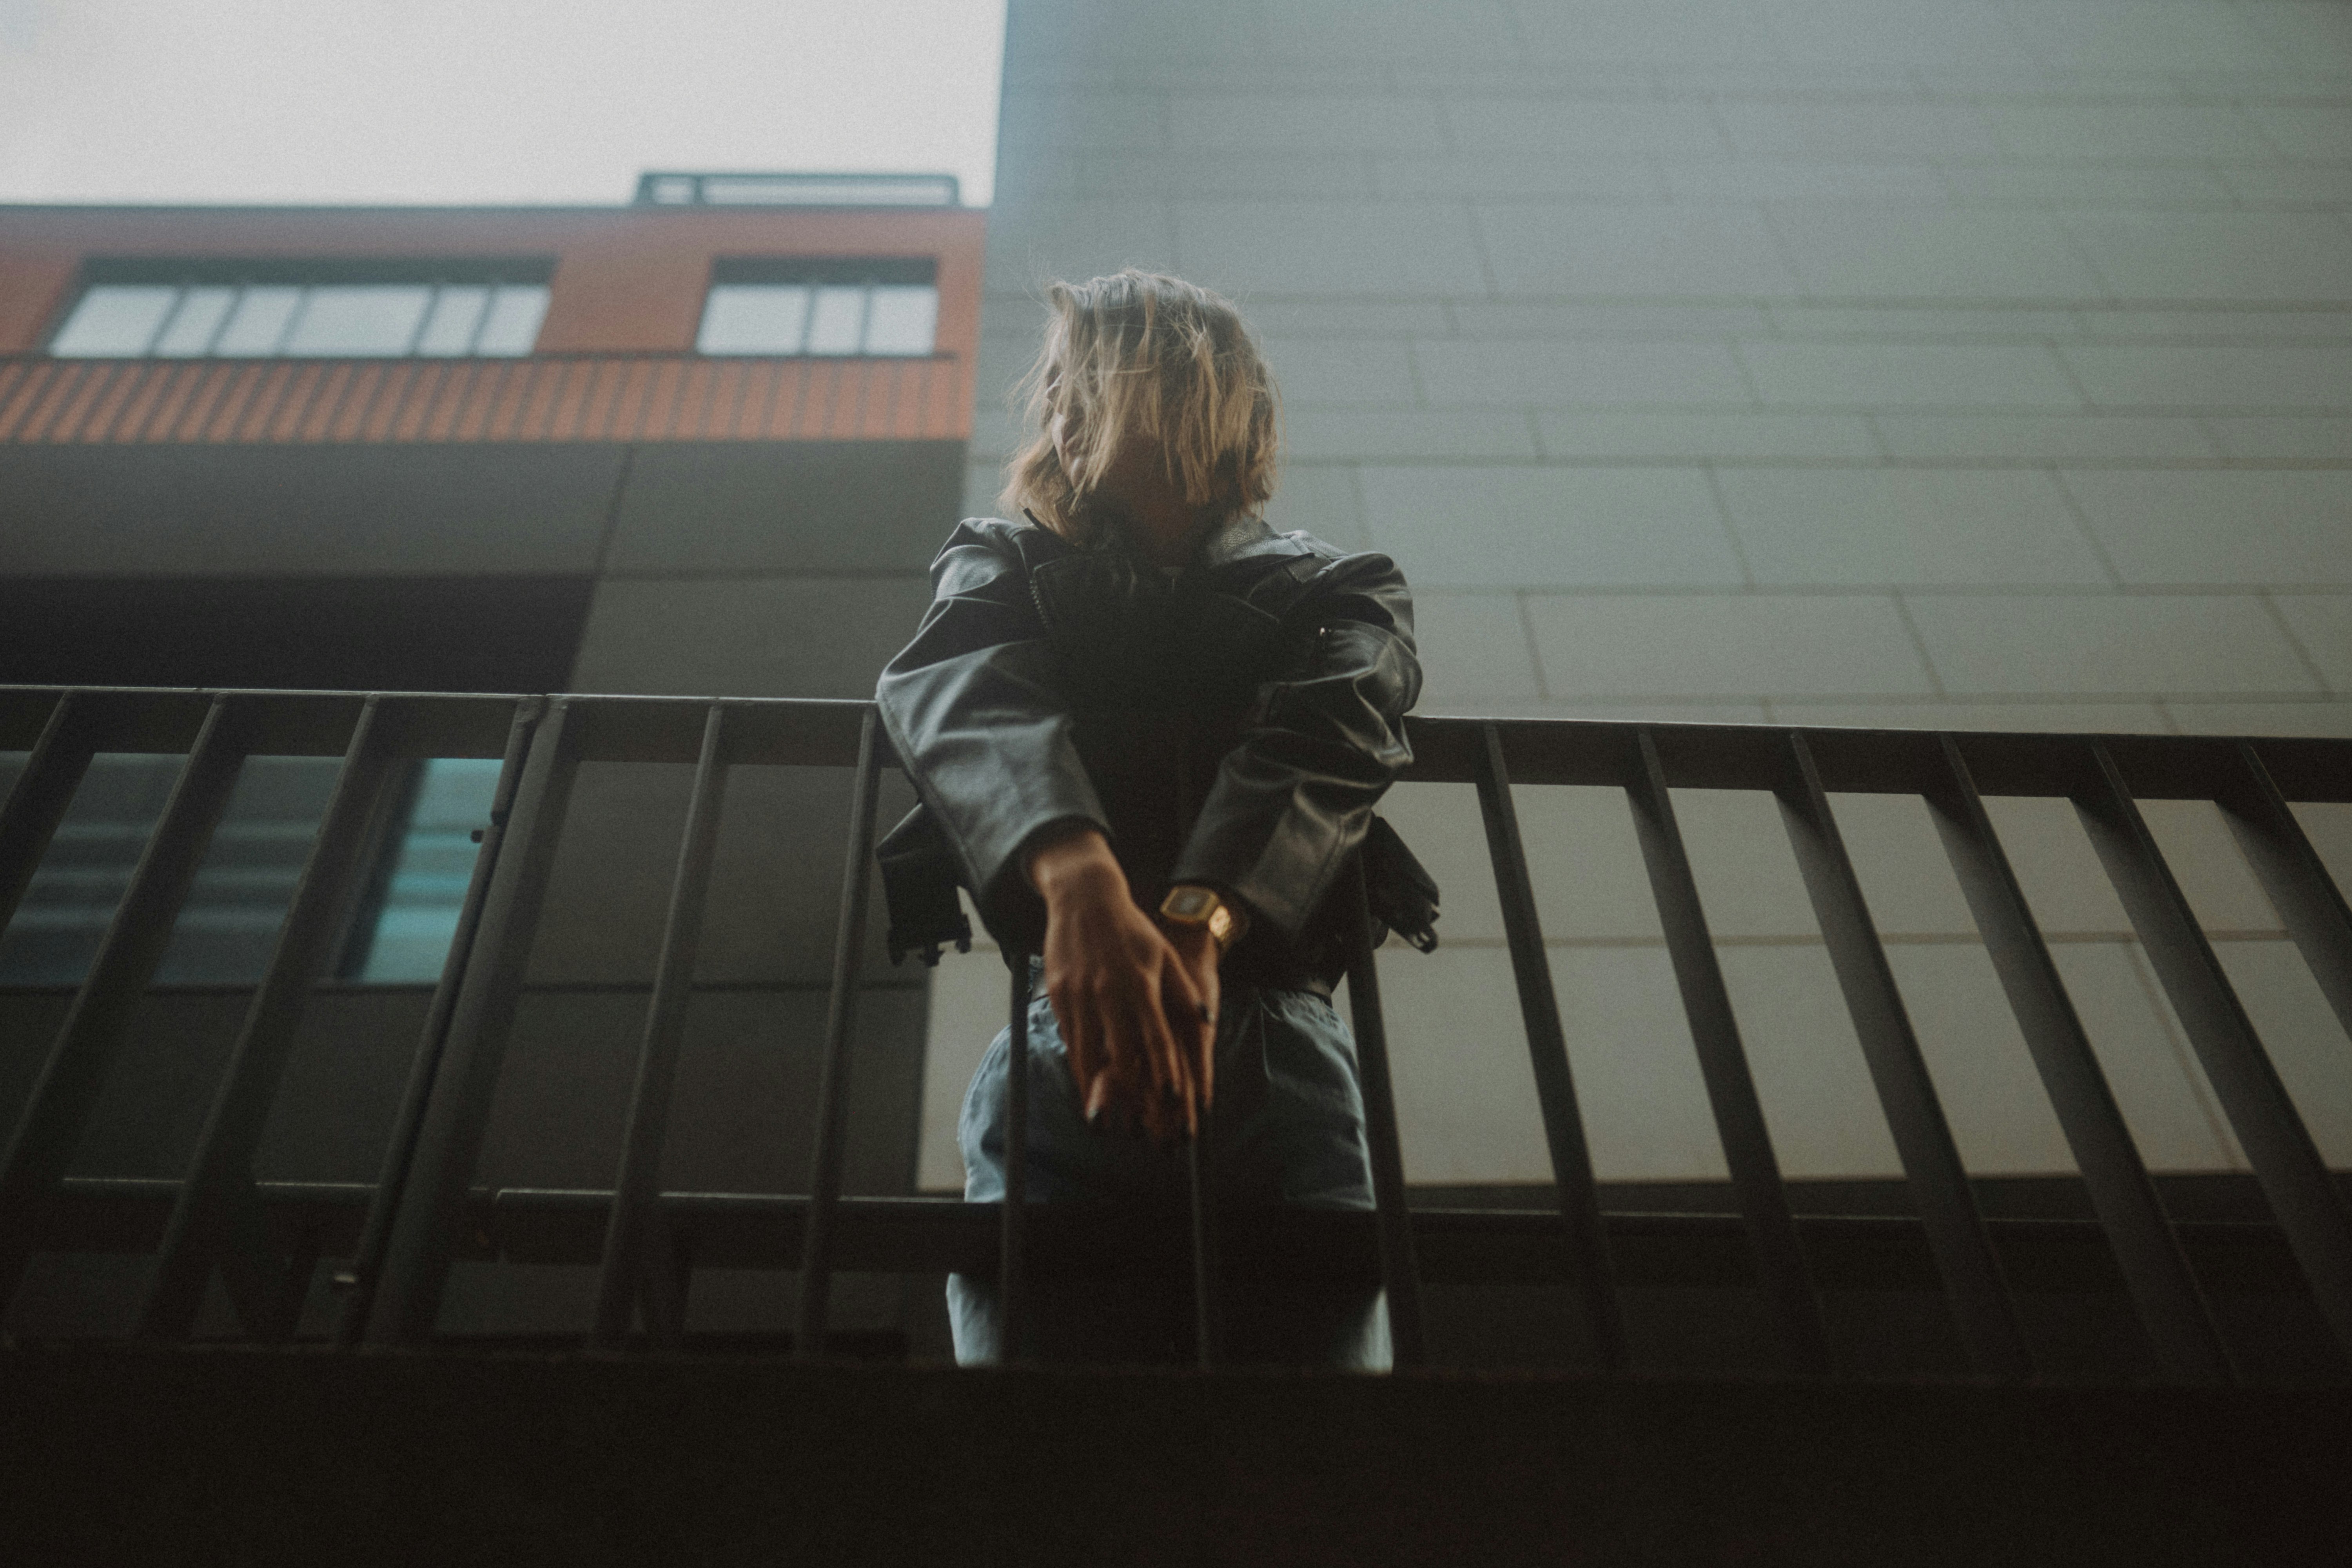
(1188, 903)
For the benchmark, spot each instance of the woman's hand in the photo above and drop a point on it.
(1139, 1028)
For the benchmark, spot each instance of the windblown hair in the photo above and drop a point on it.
(1141, 354)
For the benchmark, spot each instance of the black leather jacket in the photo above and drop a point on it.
(1230, 726)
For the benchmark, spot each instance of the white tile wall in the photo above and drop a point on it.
(2281, 527)
(1957, 363)
(2322, 624)
(2189, 643)
(1520, 526)
(1473, 650)
(2233, 258)
(1861, 250)
(1910, 375)
(1862, 526)
(1725, 644)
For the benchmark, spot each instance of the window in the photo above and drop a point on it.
(267, 318)
(407, 935)
(229, 926)
(881, 308)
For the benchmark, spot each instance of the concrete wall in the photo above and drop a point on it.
(1825, 362)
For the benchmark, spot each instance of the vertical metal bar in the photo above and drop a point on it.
(1579, 1197)
(220, 1177)
(1780, 1259)
(87, 1044)
(1013, 1235)
(1939, 1184)
(2285, 1161)
(1399, 1268)
(2307, 899)
(1200, 1188)
(449, 1139)
(2162, 1287)
(37, 802)
(630, 1229)
(358, 1282)
(1207, 1346)
(840, 1024)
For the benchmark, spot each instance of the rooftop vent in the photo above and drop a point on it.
(662, 189)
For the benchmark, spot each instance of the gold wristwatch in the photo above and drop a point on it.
(1197, 906)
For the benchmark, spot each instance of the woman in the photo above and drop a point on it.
(1147, 731)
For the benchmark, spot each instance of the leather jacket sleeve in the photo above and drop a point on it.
(974, 710)
(978, 710)
(1324, 741)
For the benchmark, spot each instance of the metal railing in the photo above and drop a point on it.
(403, 1233)
(539, 398)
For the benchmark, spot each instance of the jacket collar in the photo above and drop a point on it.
(1240, 538)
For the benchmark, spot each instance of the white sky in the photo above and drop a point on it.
(483, 101)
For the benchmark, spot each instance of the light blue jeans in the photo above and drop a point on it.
(1289, 1128)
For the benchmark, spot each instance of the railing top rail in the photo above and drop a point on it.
(823, 732)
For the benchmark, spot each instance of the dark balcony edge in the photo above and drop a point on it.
(261, 1457)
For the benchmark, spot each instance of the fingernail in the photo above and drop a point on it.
(1095, 1103)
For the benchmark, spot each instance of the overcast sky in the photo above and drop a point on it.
(482, 100)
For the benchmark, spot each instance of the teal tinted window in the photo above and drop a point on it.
(431, 865)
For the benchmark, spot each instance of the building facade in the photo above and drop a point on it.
(681, 446)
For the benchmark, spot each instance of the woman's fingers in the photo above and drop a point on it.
(1083, 1044)
(1136, 1018)
(1149, 1039)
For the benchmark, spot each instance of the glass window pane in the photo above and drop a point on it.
(754, 319)
(229, 925)
(113, 320)
(902, 320)
(513, 326)
(359, 319)
(419, 915)
(80, 878)
(450, 326)
(258, 323)
(193, 325)
(837, 324)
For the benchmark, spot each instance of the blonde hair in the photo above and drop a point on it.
(1140, 352)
